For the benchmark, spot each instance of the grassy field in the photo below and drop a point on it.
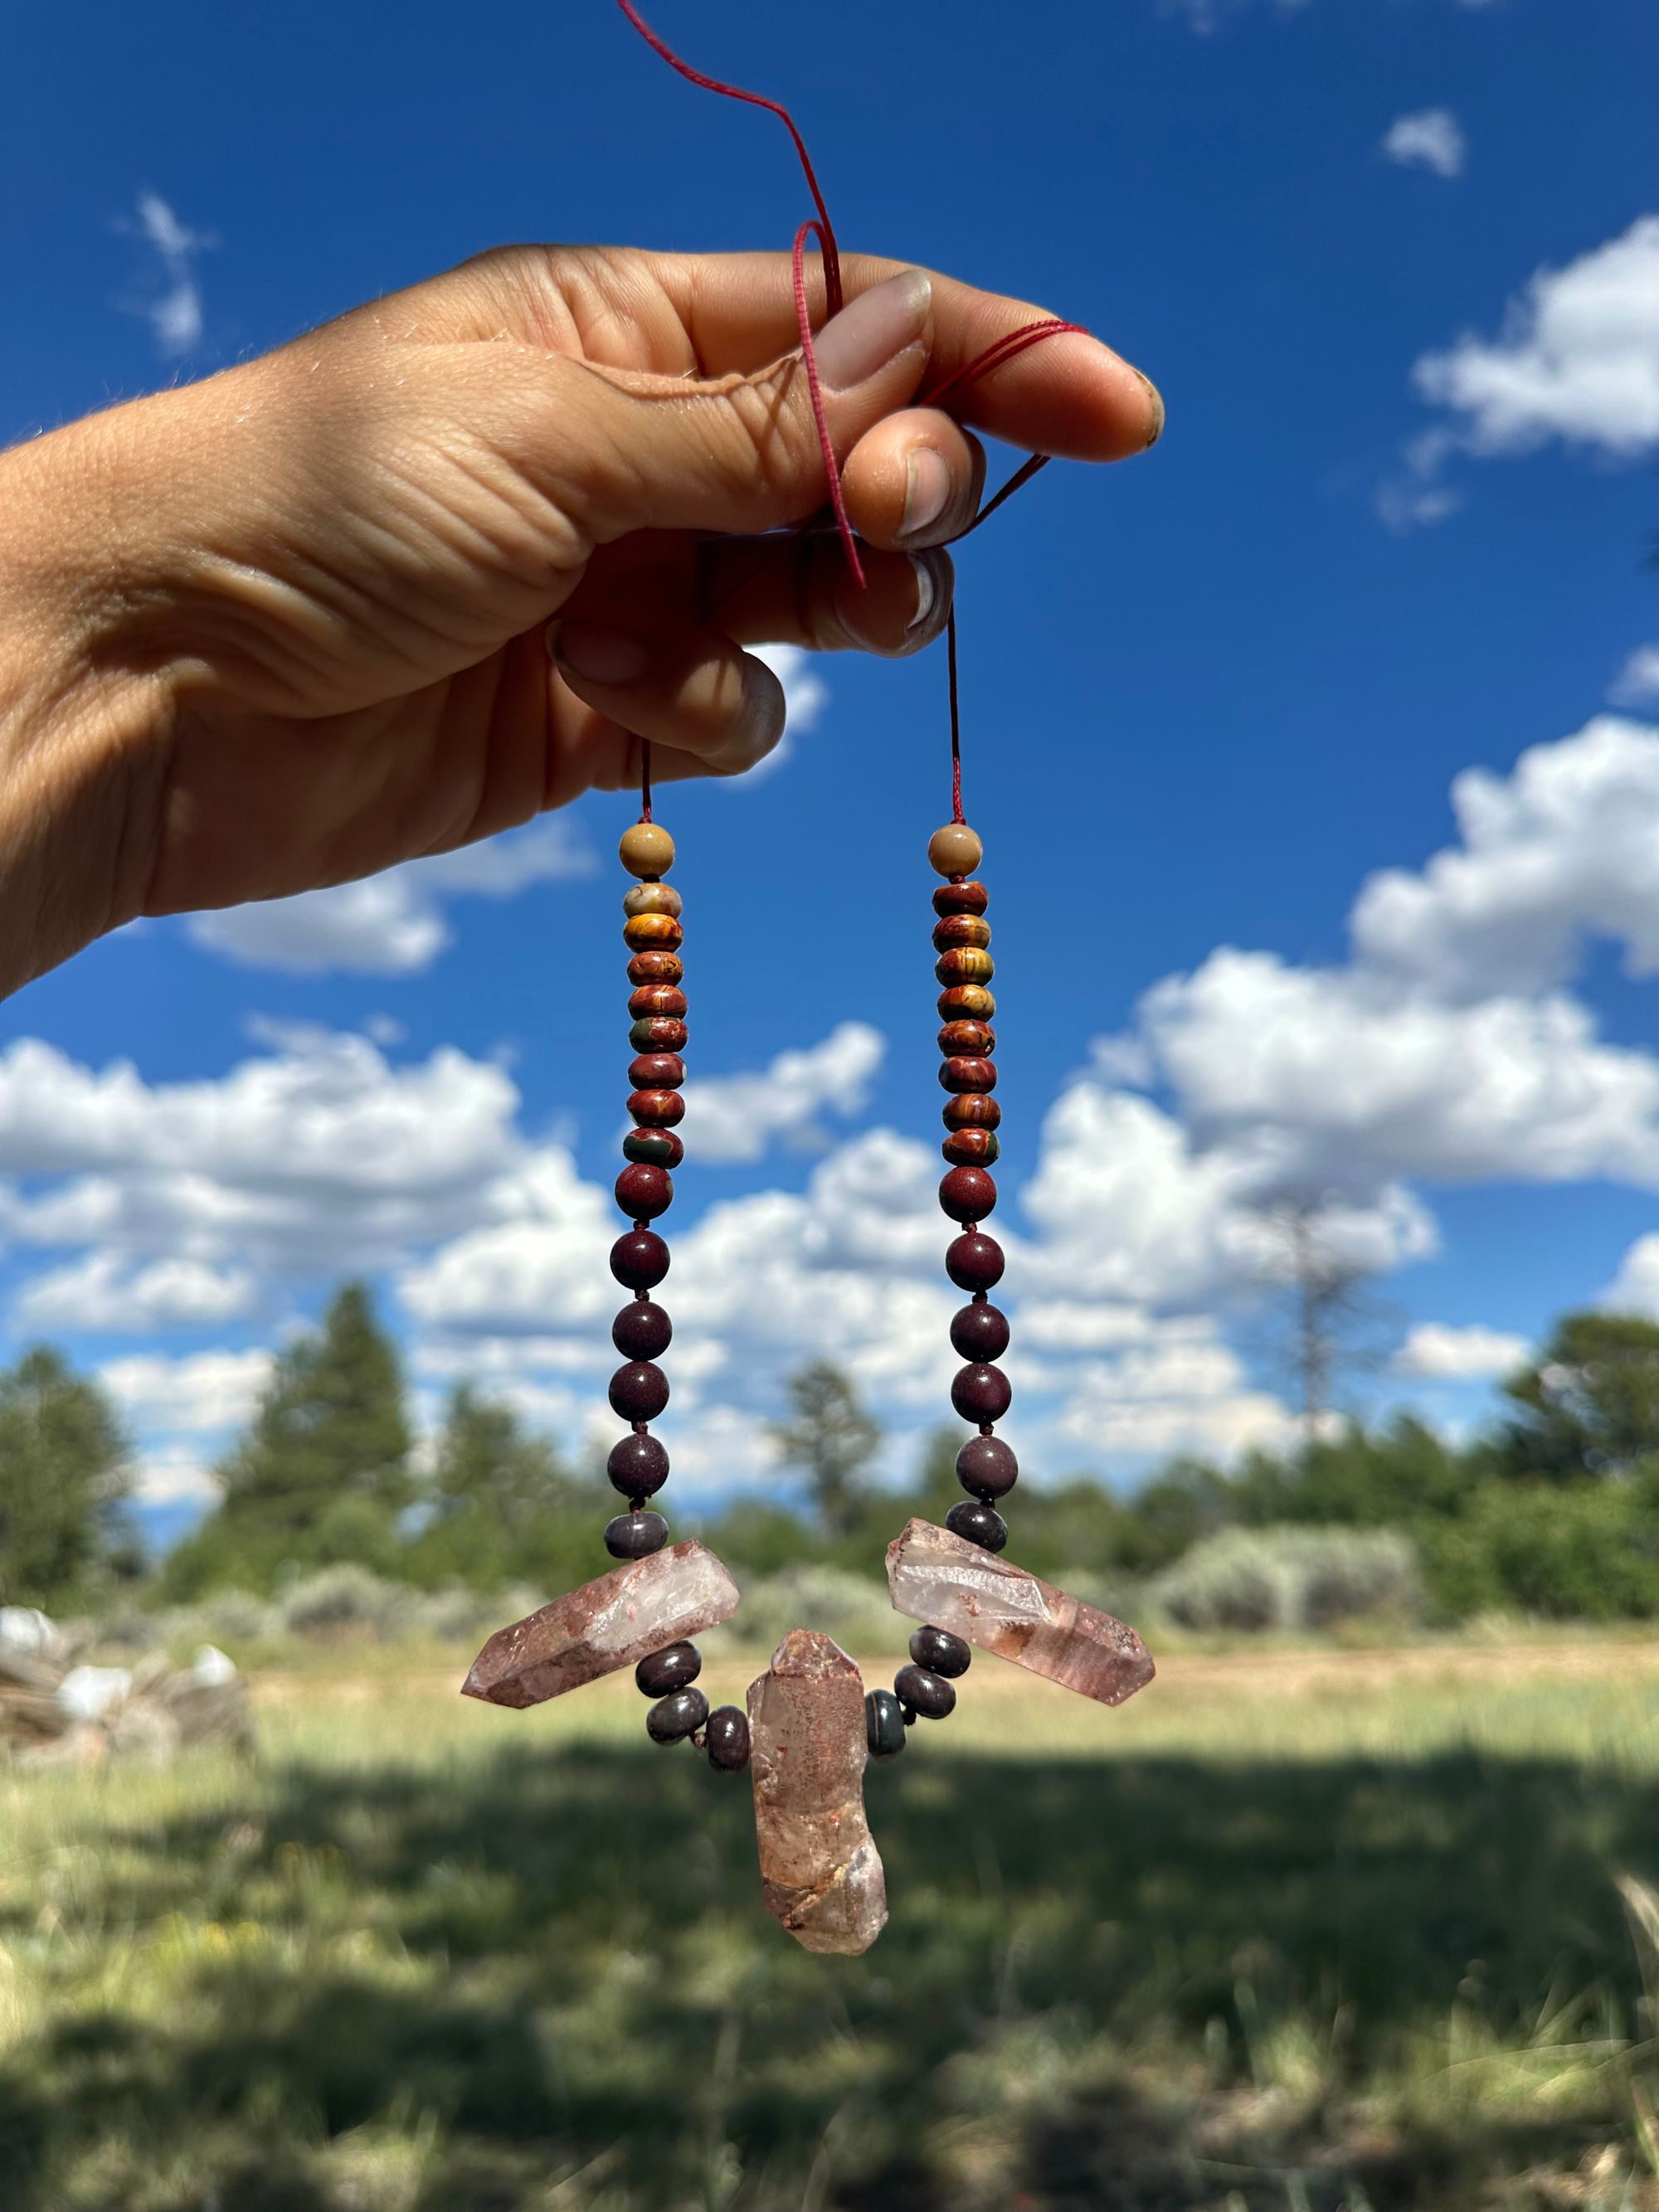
(1313, 1931)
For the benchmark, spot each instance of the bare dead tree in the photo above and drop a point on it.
(1332, 1324)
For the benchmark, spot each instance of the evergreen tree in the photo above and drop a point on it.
(831, 1438)
(63, 1481)
(502, 1507)
(1588, 1405)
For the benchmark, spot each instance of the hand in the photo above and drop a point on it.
(419, 575)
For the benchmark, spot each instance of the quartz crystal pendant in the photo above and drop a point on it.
(936, 1576)
(613, 1622)
(821, 1874)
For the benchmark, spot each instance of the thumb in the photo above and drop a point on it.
(742, 454)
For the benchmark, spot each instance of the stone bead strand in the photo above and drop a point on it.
(638, 1464)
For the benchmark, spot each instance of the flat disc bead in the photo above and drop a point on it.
(635, 1535)
(640, 1260)
(657, 1148)
(657, 998)
(987, 1467)
(655, 968)
(972, 1109)
(652, 932)
(979, 1524)
(960, 898)
(982, 1393)
(970, 1040)
(658, 1033)
(977, 1332)
(637, 1466)
(924, 1692)
(965, 1194)
(657, 1109)
(954, 850)
(963, 1074)
(726, 1739)
(640, 1391)
(964, 963)
(940, 1652)
(970, 1148)
(650, 898)
(961, 929)
(646, 849)
(973, 1261)
(643, 1192)
(657, 1071)
(971, 1001)
(643, 1331)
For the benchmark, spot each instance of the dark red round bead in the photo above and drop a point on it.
(965, 1075)
(656, 1148)
(980, 1524)
(968, 1193)
(657, 1071)
(639, 1391)
(658, 999)
(655, 968)
(972, 1109)
(960, 898)
(974, 1262)
(643, 1331)
(979, 1332)
(970, 1148)
(643, 1192)
(658, 1110)
(638, 1466)
(981, 1392)
(640, 1260)
(987, 1467)
(975, 1039)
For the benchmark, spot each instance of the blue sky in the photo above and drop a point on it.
(1395, 264)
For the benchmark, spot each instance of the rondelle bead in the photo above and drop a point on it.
(677, 1716)
(957, 929)
(656, 968)
(638, 1466)
(940, 1652)
(970, 1000)
(635, 1535)
(965, 1194)
(643, 1331)
(975, 1040)
(977, 1332)
(646, 849)
(657, 1109)
(640, 1260)
(973, 1261)
(654, 1148)
(980, 1391)
(960, 898)
(727, 1739)
(658, 1033)
(972, 1109)
(650, 898)
(884, 1724)
(640, 1391)
(656, 1071)
(987, 1467)
(954, 850)
(652, 932)
(964, 963)
(925, 1692)
(676, 1666)
(970, 1148)
(657, 1000)
(643, 1191)
(963, 1074)
(979, 1524)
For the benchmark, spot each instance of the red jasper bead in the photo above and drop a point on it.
(657, 998)
(639, 1391)
(965, 1075)
(964, 963)
(655, 967)
(987, 1467)
(657, 1071)
(638, 1466)
(657, 1109)
(659, 933)
(982, 1393)
(979, 1331)
(657, 1148)
(658, 1034)
(974, 1261)
(968, 1193)
(968, 1000)
(644, 1191)
(975, 1039)
(640, 1260)
(643, 1331)
(961, 929)
(960, 898)
(970, 1148)
(972, 1109)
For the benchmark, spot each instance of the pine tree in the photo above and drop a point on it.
(64, 1481)
(501, 1505)
(831, 1438)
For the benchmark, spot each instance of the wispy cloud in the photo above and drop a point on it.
(171, 302)
(1430, 139)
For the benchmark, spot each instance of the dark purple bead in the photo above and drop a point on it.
(677, 1716)
(639, 1391)
(640, 1260)
(676, 1666)
(981, 1392)
(638, 1466)
(987, 1467)
(643, 1192)
(727, 1739)
(980, 1524)
(966, 1194)
(643, 1331)
(979, 1332)
(974, 1262)
(926, 1694)
(635, 1535)
(940, 1652)
(883, 1724)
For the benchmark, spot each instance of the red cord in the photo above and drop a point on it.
(955, 720)
(645, 778)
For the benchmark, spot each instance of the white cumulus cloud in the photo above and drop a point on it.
(1430, 138)
(171, 301)
(102, 1294)
(197, 1394)
(1439, 1353)
(1637, 683)
(738, 1117)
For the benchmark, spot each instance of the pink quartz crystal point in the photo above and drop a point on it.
(821, 1874)
(937, 1575)
(613, 1622)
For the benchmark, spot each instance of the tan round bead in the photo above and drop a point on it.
(650, 898)
(954, 850)
(646, 849)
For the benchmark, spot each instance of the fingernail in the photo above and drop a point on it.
(926, 595)
(1156, 399)
(600, 653)
(927, 489)
(878, 324)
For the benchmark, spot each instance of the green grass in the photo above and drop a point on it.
(1317, 1932)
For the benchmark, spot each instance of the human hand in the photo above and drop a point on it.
(291, 625)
